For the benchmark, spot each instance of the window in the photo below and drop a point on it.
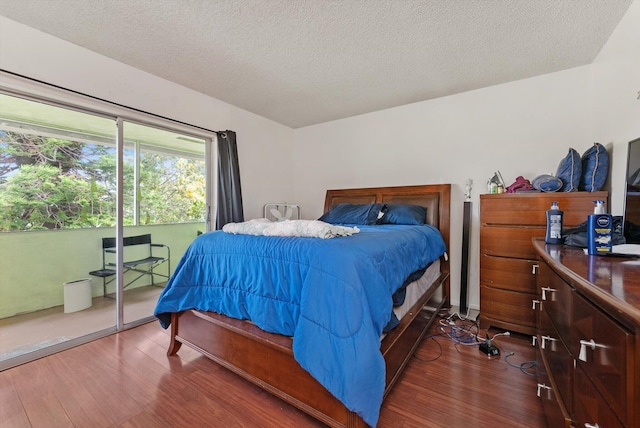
(58, 170)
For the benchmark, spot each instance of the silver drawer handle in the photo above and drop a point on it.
(543, 340)
(583, 348)
(542, 386)
(534, 340)
(588, 425)
(546, 290)
(534, 304)
(534, 268)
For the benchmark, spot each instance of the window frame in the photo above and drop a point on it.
(21, 87)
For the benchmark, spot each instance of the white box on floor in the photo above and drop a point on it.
(77, 295)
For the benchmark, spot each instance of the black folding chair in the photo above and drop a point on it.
(143, 266)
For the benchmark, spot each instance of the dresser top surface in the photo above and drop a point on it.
(611, 281)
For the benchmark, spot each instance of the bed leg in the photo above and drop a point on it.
(174, 345)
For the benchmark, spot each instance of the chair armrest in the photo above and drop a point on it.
(163, 246)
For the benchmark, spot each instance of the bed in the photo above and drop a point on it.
(268, 360)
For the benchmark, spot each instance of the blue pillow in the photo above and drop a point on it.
(595, 168)
(363, 214)
(547, 183)
(403, 214)
(570, 171)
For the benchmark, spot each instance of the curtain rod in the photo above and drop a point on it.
(108, 102)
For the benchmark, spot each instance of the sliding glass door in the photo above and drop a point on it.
(164, 195)
(75, 186)
(56, 201)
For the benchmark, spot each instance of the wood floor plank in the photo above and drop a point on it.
(107, 379)
(463, 384)
(115, 361)
(155, 345)
(79, 404)
(12, 413)
(127, 380)
(145, 419)
(247, 402)
(38, 392)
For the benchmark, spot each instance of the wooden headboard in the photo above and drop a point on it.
(435, 197)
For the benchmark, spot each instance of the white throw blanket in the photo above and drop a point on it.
(300, 228)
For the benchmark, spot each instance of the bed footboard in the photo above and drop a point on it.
(266, 359)
(262, 358)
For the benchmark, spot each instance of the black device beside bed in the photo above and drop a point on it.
(275, 361)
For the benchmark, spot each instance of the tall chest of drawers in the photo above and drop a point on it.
(588, 338)
(508, 222)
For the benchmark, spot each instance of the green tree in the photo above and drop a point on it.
(26, 149)
(45, 185)
(51, 183)
(170, 181)
(40, 197)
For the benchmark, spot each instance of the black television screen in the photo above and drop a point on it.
(632, 194)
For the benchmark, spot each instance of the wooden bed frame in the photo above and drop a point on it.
(266, 359)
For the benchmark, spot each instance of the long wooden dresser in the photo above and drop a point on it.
(588, 338)
(507, 224)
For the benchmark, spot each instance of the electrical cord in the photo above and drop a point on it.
(458, 334)
(457, 315)
(432, 359)
(466, 332)
(449, 330)
(524, 367)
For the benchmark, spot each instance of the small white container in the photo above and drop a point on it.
(77, 295)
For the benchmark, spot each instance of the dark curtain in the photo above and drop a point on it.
(229, 191)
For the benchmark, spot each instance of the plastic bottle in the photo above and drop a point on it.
(554, 224)
(599, 230)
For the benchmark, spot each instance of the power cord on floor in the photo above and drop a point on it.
(424, 360)
(525, 367)
(466, 332)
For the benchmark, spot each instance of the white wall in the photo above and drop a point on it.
(615, 98)
(520, 128)
(37, 55)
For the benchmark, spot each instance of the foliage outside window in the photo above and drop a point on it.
(171, 189)
(53, 182)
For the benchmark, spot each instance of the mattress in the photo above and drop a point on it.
(417, 288)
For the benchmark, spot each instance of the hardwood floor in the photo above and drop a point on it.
(24, 333)
(126, 380)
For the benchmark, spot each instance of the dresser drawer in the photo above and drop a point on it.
(602, 348)
(530, 209)
(555, 412)
(556, 297)
(558, 358)
(508, 274)
(512, 242)
(590, 407)
(508, 306)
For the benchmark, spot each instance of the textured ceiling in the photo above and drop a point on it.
(302, 62)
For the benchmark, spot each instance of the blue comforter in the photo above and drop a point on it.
(332, 295)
